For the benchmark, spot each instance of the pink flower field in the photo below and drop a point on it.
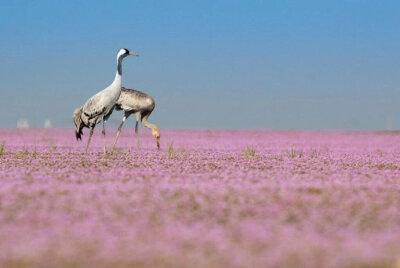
(206, 199)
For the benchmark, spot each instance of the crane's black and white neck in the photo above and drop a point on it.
(122, 53)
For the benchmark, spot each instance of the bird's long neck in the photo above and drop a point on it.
(118, 74)
(149, 125)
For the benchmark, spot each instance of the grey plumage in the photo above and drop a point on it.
(133, 101)
(100, 106)
(93, 111)
(79, 125)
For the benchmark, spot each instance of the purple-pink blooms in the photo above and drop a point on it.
(206, 199)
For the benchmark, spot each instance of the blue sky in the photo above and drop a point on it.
(209, 64)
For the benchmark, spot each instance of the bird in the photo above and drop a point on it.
(134, 101)
(100, 106)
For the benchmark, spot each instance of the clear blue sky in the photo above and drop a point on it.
(209, 64)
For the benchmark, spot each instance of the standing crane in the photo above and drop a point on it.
(99, 107)
(134, 101)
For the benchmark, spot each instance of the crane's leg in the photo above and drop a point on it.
(119, 131)
(89, 139)
(138, 116)
(104, 136)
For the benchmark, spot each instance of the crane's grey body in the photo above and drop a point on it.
(99, 107)
(133, 101)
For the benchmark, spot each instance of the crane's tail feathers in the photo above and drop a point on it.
(78, 123)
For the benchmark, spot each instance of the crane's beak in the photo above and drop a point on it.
(133, 54)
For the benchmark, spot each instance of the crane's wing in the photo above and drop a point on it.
(94, 107)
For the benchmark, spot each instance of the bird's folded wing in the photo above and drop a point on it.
(94, 108)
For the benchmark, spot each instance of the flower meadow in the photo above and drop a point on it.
(206, 199)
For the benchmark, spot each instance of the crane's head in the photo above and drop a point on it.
(156, 134)
(123, 52)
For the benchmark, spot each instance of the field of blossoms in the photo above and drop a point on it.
(206, 199)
